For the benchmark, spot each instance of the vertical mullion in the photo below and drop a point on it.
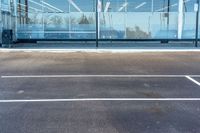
(180, 19)
(97, 25)
(197, 25)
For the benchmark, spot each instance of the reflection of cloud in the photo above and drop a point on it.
(53, 7)
(39, 4)
(140, 5)
(75, 6)
(107, 6)
(123, 6)
(176, 4)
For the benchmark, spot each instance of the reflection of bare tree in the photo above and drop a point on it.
(73, 20)
(83, 20)
(87, 20)
(56, 20)
(91, 19)
(33, 19)
(137, 33)
(66, 21)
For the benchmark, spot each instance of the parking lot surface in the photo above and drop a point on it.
(99, 92)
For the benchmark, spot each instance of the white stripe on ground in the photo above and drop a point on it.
(94, 50)
(99, 99)
(193, 80)
(98, 76)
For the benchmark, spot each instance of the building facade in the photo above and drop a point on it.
(101, 19)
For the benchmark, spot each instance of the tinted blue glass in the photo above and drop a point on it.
(139, 5)
(119, 19)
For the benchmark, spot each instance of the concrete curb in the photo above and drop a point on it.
(99, 50)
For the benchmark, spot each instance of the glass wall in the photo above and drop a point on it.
(30, 19)
(1, 25)
(118, 19)
(5, 5)
(146, 19)
(189, 19)
(5, 10)
(60, 19)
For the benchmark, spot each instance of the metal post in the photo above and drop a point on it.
(197, 25)
(180, 19)
(43, 21)
(168, 10)
(15, 23)
(1, 25)
(125, 19)
(69, 25)
(168, 13)
(97, 24)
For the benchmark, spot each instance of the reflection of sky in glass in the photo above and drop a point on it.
(5, 5)
(115, 5)
(139, 13)
(5, 2)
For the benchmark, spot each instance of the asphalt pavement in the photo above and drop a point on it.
(99, 92)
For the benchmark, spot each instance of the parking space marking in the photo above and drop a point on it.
(193, 80)
(99, 99)
(99, 76)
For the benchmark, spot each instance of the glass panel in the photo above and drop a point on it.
(60, 19)
(146, 19)
(139, 19)
(112, 19)
(30, 19)
(56, 19)
(118, 19)
(82, 19)
(189, 20)
(5, 5)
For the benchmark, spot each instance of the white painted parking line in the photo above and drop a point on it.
(99, 99)
(99, 76)
(193, 80)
